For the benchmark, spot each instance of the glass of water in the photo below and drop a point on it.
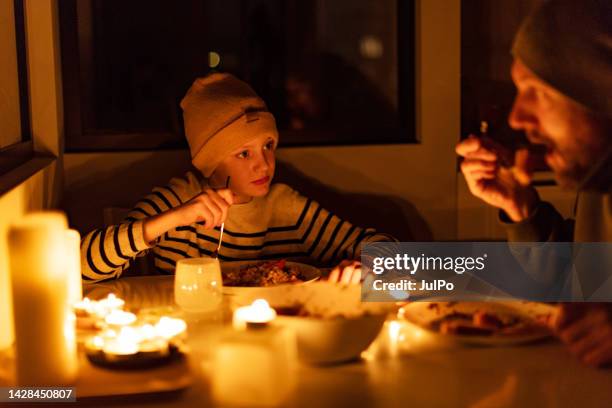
(198, 286)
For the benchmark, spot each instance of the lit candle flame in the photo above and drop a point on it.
(100, 308)
(122, 339)
(120, 318)
(259, 312)
(168, 327)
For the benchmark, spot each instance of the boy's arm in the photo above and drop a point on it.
(107, 252)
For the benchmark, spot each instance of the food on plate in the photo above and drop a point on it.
(268, 273)
(451, 319)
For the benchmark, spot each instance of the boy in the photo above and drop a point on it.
(232, 138)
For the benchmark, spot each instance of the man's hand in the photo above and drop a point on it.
(502, 187)
(347, 272)
(586, 328)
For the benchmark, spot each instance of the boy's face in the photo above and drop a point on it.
(574, 137)
(251, 168)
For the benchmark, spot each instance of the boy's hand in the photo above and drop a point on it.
(347, 272)
(210, 207)
(586, 328)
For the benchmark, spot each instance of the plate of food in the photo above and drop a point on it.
(245, 276)
(498, 323)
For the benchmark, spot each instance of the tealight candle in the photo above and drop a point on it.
(258, 314)
(147, 331)
(96, 343)
(118, 347)
(126, 342)
(136, 345)
(84, 306)
(108, 304)
(256, 358)
(98, 308)
(155, 345)
(120, 318)
(168, 327)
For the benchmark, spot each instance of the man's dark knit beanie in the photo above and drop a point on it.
(568, 44)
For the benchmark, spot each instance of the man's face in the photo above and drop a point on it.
(251, 168)
(574, 137)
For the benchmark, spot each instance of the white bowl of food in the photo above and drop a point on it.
(244, 277)
(331, 323)
(332, 340)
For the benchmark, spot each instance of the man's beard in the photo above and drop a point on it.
(567, 170)
(572, 174)
(568, 180)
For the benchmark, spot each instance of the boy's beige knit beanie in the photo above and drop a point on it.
(221, 113)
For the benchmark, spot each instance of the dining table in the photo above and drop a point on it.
(404, 369)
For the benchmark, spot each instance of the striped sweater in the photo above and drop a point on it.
(281, 224)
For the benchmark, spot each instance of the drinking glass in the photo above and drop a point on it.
(198, 286)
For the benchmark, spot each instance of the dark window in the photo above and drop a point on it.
(331, 71)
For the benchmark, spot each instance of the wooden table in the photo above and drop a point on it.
(422, 373)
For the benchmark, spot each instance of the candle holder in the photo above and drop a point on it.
(136, 347)
(149, 358)
(90, 314)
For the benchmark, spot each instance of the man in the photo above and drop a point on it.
(562, 70)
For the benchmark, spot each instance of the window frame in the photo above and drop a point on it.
(80, 139)
(17, 154)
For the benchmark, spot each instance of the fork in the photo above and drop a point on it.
(215, 253)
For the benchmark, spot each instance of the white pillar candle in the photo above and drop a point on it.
(254, 367)
(73, 257)
(44, 324)
(6, 306)
(255, 358)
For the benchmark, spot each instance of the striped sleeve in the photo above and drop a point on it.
(107, 252)
(332, 239)
(325, 236)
